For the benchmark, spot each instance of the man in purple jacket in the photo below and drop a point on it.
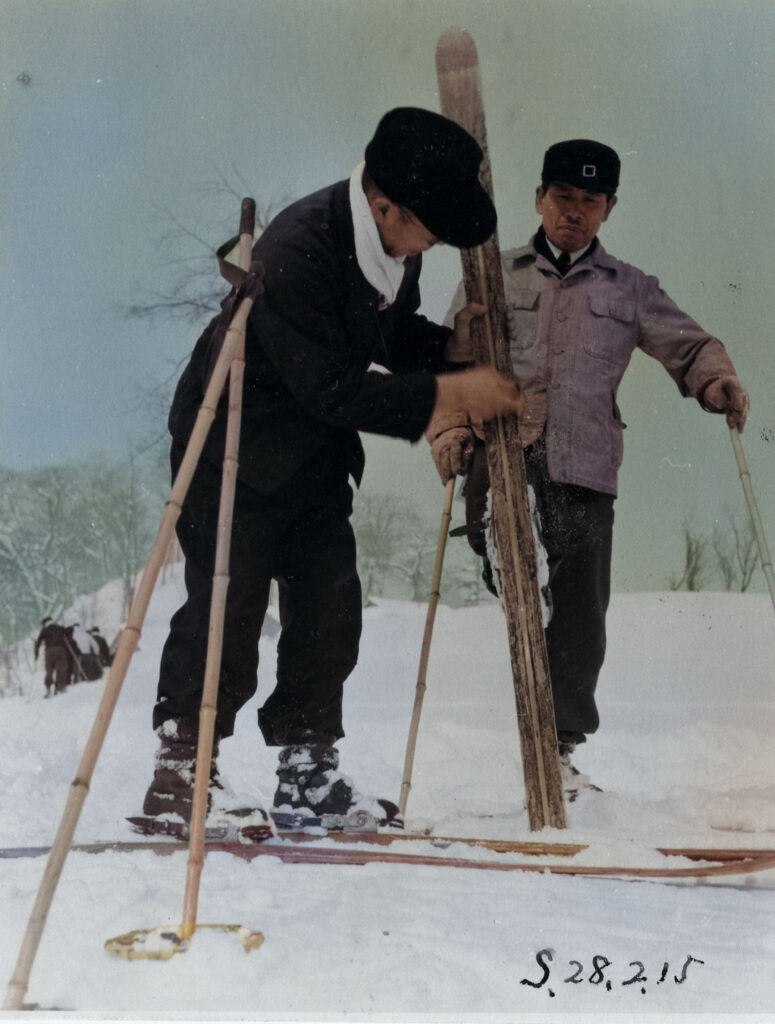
(575, 316)
(340, 276)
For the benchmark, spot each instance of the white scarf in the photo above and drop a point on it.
(383, 272)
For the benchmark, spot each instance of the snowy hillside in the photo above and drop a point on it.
(684, 753)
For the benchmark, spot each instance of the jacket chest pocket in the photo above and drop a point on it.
(609, 332)
(522, 316)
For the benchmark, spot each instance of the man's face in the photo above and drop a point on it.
(571, 216)
(401, 232)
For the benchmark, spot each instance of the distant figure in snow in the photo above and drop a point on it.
(73, 654)
(576, 314)
(341, 274)
(53, 638)
(85, 662)
(102, 649)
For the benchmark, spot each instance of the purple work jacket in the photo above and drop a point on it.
(571, 340)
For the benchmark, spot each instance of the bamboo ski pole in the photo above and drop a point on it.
(425, 650)
(127, 643)
(209, 705)
(753, 511)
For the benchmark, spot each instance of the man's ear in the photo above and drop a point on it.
(540, 193)
(612, 201)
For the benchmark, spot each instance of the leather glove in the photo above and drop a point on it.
(726, 394)
(459, 348)
(452, 443)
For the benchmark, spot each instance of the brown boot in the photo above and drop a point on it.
(172, 789)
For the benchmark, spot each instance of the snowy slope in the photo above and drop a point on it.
(685, 749)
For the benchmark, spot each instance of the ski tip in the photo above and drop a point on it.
(456, 51)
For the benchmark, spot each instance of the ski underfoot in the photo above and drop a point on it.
(440, 851)
(255, 824)
(220, 827)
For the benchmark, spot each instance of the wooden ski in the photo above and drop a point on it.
(457, 67)
(368, 848)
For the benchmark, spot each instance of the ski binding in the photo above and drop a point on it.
(294, 821)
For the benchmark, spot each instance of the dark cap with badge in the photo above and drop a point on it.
(583, 163)
(429, 164)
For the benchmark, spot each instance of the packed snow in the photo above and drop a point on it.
(684, 757)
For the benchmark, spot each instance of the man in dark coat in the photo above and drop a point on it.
(53, 638)
(340, 278)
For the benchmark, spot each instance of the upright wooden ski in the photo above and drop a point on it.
(457, 67)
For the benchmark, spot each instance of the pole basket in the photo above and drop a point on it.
(163, 943)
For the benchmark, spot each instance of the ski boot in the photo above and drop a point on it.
(168, 801)
(574, 782)
(313, 793)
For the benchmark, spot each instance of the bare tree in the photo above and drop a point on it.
(379, 524)
(736, 552)
(413, 565)
(695, 567)
(192, 288)
(118, 506)
(35, 530)
(463, 579)
(67, 530)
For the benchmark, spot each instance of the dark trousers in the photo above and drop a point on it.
(301, 537)
(577, 529)
(57, 668)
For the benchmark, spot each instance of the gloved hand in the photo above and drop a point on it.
(452, 443)
(726, 394)
(459, 348)
(481, 392)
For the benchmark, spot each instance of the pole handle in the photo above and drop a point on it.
(247, 223)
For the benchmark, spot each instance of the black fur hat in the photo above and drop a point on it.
(429, 164)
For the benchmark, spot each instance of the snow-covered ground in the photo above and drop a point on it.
(684, 753)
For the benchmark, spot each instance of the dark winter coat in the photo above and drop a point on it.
(311, 338)
(58, 655)
(53, 636)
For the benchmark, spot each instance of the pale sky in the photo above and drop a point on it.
(114, 110)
